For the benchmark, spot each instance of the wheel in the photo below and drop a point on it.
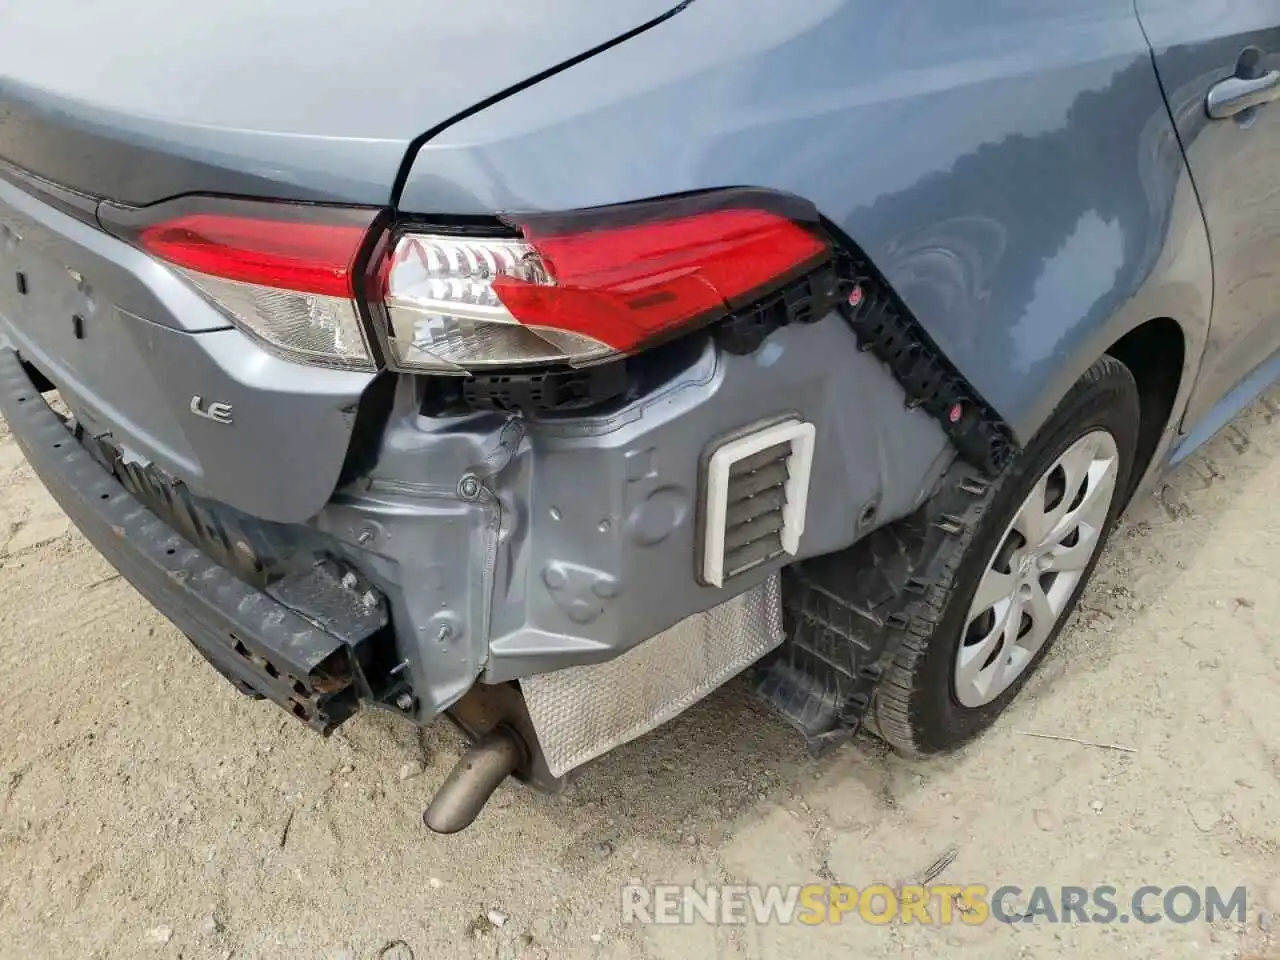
(1015, 574)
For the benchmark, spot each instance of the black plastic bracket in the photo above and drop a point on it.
(810, 298)
(552, 391)
(884, 326)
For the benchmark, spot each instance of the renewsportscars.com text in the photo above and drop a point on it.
(936, 904)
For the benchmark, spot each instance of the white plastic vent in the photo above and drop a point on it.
(757, 490)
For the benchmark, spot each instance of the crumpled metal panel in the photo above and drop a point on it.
(582, 712)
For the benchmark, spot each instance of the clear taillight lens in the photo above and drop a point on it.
(285, 273)
(306, 326)
(445, 313)
(579, 288)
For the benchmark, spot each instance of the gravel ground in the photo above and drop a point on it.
(146, 810)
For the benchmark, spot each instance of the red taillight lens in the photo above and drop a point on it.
(285, 273)
(579, 288)
(305, 257)
(629, 285)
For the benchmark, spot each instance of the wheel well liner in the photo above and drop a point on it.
(1154, 352)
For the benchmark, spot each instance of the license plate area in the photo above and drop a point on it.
(34, 284)
(100, 358)
(148, 347)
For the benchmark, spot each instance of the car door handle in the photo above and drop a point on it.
(1236, 94)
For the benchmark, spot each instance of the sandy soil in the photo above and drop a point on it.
(148, 810)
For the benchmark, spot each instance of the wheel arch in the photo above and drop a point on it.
(1155, 353)
(1162, 350)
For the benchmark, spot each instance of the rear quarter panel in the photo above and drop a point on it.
(1010, 166)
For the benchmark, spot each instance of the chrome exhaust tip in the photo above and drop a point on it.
(473, 779)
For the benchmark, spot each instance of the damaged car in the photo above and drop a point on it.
(546, 366)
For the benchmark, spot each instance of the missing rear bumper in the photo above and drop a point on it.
(302, 658)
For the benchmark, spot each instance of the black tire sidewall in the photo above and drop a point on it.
(1105, 398)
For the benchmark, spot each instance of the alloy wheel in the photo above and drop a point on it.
(1030, 578)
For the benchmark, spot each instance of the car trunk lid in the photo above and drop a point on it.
(141, 100)
(138, 101)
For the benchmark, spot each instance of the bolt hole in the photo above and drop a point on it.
(104, 496)
(868, 514)
(57, 446)
(171, 551)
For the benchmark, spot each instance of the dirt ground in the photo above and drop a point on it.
(146, 810)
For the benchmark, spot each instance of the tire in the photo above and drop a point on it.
(916, 707)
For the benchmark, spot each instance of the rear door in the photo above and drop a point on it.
(1223, 57)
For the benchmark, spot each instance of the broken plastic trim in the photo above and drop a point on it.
(886, 327)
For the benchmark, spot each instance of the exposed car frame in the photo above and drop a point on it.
(632, 350)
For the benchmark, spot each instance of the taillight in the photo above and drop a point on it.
(285, 273)
(579, 288)
(557, 289)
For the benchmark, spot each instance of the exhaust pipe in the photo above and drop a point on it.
(473, 779)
